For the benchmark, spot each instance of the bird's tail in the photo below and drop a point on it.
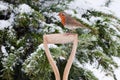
(94, 31)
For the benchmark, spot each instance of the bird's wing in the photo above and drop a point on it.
(77, 23)
(73, 22)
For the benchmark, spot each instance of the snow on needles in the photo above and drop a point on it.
(99, 5)
(4, 24)
(41, 47)
(3, 6)
(4, 51)
(24, 8)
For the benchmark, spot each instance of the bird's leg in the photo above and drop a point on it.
(73, 30)
(67, 30)
(70, 31)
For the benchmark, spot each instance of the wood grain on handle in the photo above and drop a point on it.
(50, 59)
(71, 58)
(61, 39)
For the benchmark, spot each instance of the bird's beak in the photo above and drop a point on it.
(58, 14)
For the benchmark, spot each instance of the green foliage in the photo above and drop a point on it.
(101, 46)
(78, 73)
(37, 66)
(87, 43)
(9, 36)
(8, 63)
(90, 13)
(92, 28)
(104, 60)
(23, 39)
(32, 20)
(57, 52)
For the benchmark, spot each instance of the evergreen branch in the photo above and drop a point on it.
(94, 31)
(100, 14)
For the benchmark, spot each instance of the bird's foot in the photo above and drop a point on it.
(68, 33)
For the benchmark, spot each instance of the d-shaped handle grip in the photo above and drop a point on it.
(61, 39)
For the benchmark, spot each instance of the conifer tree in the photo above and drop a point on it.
(23, 24)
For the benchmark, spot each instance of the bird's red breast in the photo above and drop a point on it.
(62, 16)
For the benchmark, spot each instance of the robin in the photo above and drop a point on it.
(71, 23)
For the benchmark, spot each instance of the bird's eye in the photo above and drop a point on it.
(62, 14)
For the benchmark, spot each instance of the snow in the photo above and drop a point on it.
(79, 5)
(94, 19)
(101, 75)
(41, 46)
(12, 47)
(52, 28)
(98, 72)
(4, 24)
(24, 8)
(7, 23)
(116, 39)
(115, 7)
(3, 6)
(99, 48)
(117, 71)
(11, 20)
(114, 28)
(99, 5)
(48, 3)
(4, 51)
(62, 58)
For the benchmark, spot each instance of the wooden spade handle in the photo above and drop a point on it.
(61, 39)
